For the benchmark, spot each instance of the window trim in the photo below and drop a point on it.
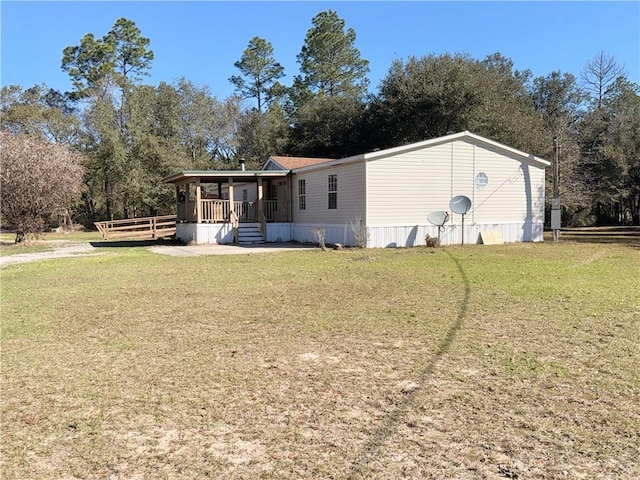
(332, 191)
(302, 194)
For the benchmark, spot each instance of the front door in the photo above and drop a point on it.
(276, 206)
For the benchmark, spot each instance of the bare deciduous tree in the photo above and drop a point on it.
(360, 233)
(319, 235)
(600, 72)
(37, 179)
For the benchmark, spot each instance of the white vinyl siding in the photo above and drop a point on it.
(351, 201)
(515, 191)
(403, 189)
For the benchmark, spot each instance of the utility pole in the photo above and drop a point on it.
(555, 201)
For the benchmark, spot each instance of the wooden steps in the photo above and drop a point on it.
(249, 234)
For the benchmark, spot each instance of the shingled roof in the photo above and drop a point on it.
(290, 163)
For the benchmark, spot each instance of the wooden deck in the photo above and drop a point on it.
(138, 228)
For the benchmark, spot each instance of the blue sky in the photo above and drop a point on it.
(202, 40)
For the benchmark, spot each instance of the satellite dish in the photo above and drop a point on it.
(460, 204)
(438, 218)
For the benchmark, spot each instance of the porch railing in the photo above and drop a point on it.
(276, 210)
(217, 211)
(246, 211)
(270, 209)
(213, 211)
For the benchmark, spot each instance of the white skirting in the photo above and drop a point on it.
(203, 233)
(279, 232)
(378, 236)
(332, 233)
(411, 236)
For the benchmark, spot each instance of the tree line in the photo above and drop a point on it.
(129, 134)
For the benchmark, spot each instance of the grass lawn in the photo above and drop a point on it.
(512, 361)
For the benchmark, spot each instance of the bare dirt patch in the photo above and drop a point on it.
(59, 249)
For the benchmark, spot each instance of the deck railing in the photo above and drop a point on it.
(138, 228)
(217, 211)
(270, 209)
(246, 211)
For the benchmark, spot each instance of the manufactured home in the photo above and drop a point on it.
(387, 194)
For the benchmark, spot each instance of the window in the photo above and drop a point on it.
(482, 180)
(333, 191)
(302, 194)
(245, 195)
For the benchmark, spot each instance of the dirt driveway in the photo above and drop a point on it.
(83, 249)
(61, 250)
(214, 249)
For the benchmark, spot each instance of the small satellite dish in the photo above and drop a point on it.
(460, 204)
(438, 218)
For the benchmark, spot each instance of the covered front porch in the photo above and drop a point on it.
(221, 206)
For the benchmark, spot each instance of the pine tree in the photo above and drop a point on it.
(329, 61)
(260, 73)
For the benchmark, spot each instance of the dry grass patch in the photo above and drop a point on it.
(516, 361)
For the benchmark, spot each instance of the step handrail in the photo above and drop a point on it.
(235, 220)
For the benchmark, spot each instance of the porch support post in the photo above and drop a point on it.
(178, 202)
(230, 183)
(287, 199)
(198, 203)
(188, 211)
(260, 195)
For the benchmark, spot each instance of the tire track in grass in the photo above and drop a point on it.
(393, 419)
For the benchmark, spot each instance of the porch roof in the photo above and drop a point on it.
(214, 176)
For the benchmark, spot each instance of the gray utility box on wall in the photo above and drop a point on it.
(555, 214)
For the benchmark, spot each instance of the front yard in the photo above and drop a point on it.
(514, 361)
